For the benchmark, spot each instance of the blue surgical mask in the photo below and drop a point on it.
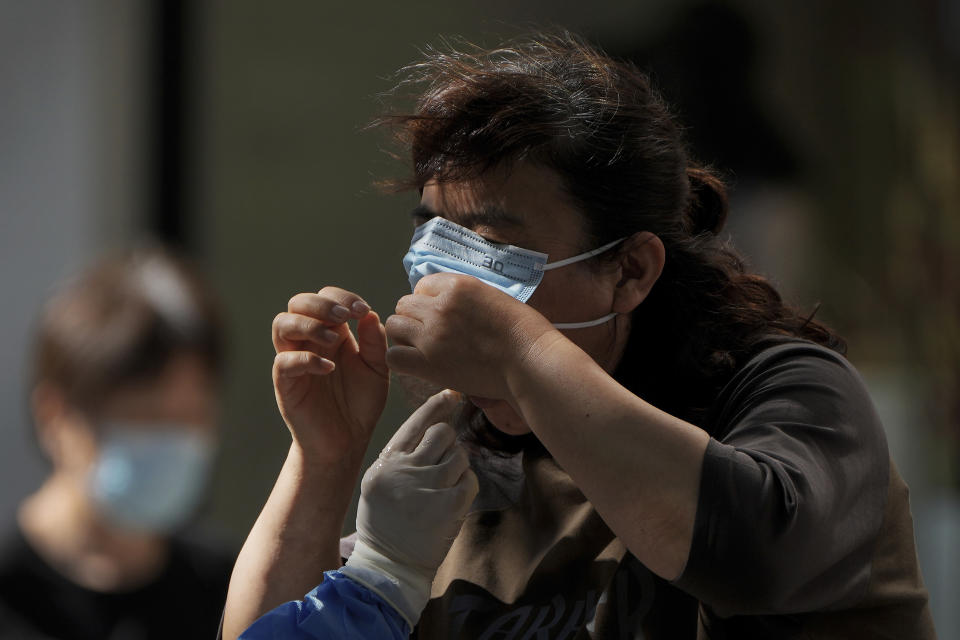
(441, 246)
(150, 478)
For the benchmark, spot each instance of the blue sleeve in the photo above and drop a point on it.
(339, 608)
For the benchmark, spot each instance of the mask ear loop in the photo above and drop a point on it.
(582, 256)
(588, 323)
(578, 258)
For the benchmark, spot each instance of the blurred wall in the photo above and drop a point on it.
(70, 176)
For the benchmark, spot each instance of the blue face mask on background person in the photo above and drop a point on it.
(441, 246)
(150, 478)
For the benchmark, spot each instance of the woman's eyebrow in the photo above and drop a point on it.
(490, 217)
(487, 216)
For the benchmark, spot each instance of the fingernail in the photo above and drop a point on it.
(330, 336)
(360, 307)
(340, 312)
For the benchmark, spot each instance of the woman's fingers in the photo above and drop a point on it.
(403, 330)
(290, 330)
(415, 306)
(409, 360)
(372, 343)
(293, 364)
(330, 305)
(438, 407)
(320, 320)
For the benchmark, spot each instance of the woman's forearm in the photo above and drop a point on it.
(294, 540)
(639, 466)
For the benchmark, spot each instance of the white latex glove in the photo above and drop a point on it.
(412, 502)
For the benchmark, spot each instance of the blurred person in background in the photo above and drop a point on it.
(665, 449)
(124, 402)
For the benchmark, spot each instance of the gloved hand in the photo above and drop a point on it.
(412, 502)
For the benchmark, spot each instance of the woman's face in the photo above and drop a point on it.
(528, 208)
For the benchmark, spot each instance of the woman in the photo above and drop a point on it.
(680, 454)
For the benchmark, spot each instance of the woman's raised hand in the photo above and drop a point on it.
(331, 386)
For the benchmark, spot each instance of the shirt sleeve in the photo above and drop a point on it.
(338, 609)
(793, 488)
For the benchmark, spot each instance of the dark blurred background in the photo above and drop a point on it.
(235, 131)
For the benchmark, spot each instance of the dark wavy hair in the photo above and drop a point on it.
(556, 101)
